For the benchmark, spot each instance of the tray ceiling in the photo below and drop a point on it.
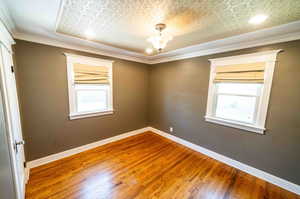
(121, 27)
(127, 23)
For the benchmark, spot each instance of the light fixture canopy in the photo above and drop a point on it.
(160, 40)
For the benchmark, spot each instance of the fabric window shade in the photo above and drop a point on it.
(241, 73)
(87, 74)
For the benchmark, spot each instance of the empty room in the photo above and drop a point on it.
(149, 99)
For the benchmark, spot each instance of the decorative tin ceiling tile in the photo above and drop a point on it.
(128, 23)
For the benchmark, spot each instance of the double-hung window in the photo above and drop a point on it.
(239, 90)
(90, 86)
(237, 101)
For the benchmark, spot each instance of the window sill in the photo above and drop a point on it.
(75, 116)
(237, 125)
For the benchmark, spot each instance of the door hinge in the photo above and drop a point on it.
(12, 69)
(24, 164)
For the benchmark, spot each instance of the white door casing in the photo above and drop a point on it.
(13, 120)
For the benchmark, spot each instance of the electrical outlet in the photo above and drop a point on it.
(171, 129)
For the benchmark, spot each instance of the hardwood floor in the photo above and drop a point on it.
(142, 167)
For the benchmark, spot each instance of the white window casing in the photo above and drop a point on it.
(73, 113)
(258, 126)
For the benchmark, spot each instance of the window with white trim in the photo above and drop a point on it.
(90, 86)
(239, 90)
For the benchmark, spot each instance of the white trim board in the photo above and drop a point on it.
(73, 102)
(27, 170)
(236, 164)
(262, 99)
(273, 35)
(63, 41)
(5, 37)
(70, 152)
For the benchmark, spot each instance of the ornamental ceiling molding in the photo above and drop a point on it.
(24, 22)
(277, 34)
(6, 18)
(74, 43)
(127, 24)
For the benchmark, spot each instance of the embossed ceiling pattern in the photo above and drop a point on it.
(127, 23)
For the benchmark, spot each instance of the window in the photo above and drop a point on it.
(239, 90)
(237, 102)
(90, 86)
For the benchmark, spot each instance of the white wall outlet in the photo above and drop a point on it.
(171, 129)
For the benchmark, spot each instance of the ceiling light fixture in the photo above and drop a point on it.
(89, 34)
(160, 40)
(149, 50)
(258, 19)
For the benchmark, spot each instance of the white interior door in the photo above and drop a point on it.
(13, 120)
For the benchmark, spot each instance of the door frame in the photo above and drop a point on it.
(6, 41)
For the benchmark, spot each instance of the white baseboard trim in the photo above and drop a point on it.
(26, 178)
(64, 154)
(236, 164)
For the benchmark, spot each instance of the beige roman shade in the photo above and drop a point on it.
(242, 73)
(87, 74)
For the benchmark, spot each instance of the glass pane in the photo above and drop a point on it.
(239, 88)
(91, 100)
(237, 108)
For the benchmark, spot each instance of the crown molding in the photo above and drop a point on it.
(277, 34)
(63, 41)
(6, 18)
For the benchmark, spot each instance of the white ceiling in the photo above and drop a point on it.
(127, 23)
(31, 16)
(122, 26)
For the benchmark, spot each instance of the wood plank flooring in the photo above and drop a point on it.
(142, 167)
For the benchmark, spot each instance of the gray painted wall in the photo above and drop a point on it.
(43, 93)
(161, 95)
(178, 96)
(7, 190)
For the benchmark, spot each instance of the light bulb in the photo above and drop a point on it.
(89, 33)
(149, 50)
(258, 19)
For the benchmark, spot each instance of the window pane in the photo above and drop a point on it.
(91, 86)
(239, 88)
(91, 100)
(237, 108)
